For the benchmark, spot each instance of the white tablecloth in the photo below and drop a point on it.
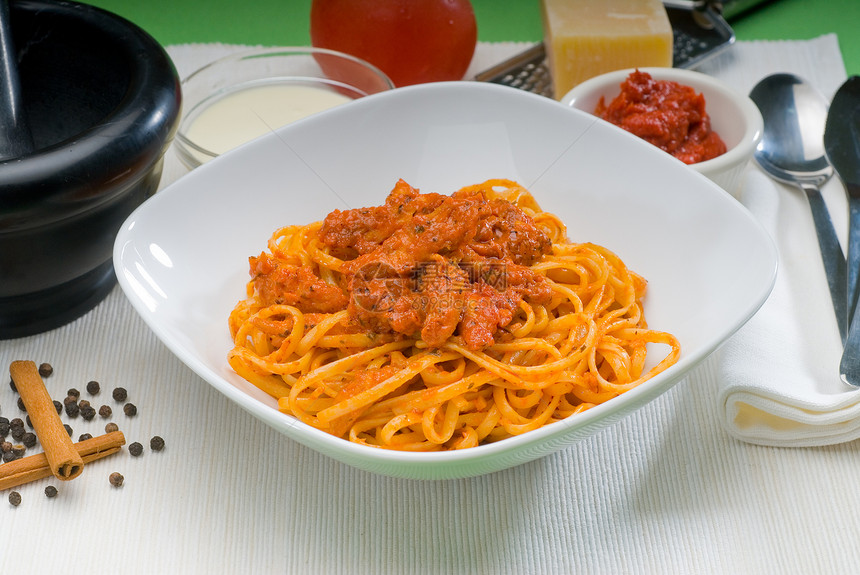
(665, 490)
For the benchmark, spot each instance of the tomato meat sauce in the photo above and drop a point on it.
(422, 264)
(667, 114)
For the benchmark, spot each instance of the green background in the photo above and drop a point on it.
(285, 22)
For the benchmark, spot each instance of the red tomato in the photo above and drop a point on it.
(412, 41)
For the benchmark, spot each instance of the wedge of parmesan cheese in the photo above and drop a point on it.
(586, 38)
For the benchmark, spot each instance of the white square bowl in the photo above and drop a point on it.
(182, 257)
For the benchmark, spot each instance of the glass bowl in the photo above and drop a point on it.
(242, 96)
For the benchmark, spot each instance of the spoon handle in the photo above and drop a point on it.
(835, 267)
(849, 365)
(853, 248)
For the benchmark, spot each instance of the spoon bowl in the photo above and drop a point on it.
(792, 151)
(794, 114)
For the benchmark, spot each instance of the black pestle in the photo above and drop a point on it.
(15, 138)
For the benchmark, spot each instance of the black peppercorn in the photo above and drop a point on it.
(58, 406)
(4, 427)
(129, 409)
(72, 409)
(156, 443)
(83, 403)
(136, 449)
(93, 387)
(17, 433)
(116, 479)
(29, 422)
(19, 450)
(105, 411)
(50, 492)
(12, 385)
(111, 427)
(120, 394)
(73, 393)
(85, 436)
(5, 447)
(21, 405)
(9, 456)
(68, 429)
(88, 412)
(15, 498)
(29, 439)
(46, 369)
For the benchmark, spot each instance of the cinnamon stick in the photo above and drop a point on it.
(63, 459)
(35, 467)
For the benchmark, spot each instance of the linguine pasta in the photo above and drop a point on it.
(441, 322)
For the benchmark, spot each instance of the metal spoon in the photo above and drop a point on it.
(842, 144)
(792, 151)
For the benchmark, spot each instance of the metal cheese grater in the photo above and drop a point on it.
(700, 31)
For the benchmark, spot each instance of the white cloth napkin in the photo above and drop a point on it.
(778, 376)
(780, 380)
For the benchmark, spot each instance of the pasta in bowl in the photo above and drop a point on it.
(437, 322)
(596, 193)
